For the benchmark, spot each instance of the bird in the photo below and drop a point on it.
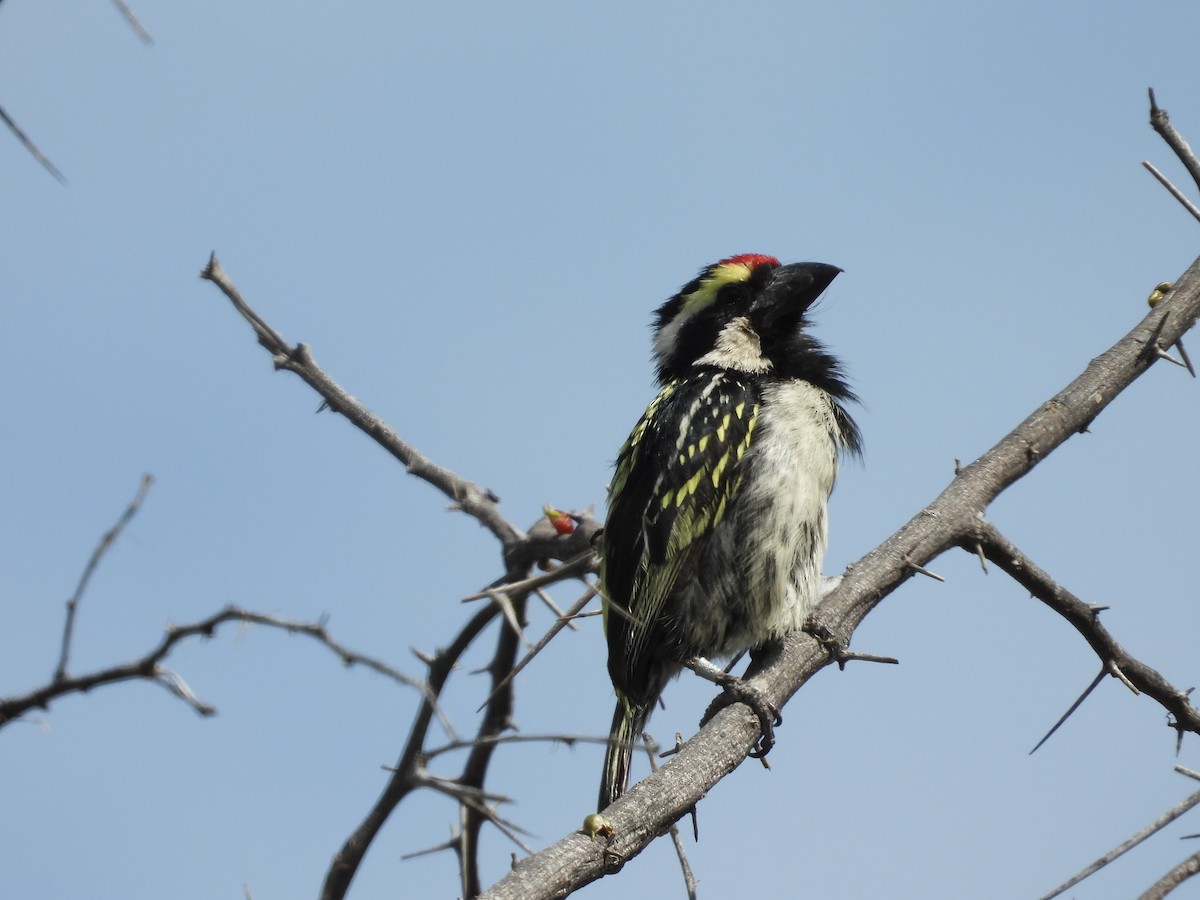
(716, 525)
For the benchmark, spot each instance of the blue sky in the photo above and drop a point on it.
(469, 213)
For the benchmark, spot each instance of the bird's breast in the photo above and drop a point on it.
(782, 525)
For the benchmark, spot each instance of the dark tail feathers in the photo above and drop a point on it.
(627, 726)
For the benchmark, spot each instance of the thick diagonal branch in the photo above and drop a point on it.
(650, 807)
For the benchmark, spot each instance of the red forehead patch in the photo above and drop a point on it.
(753, 260)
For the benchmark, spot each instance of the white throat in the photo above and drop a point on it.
(738, 347)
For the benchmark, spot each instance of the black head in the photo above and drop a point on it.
(744, 313)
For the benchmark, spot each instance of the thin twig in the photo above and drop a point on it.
(403, 780)
(577, 567)
(689, 877)
(497, 719)
(477, 502)
(350, 658)
(453, 789)
(31, 146)
(133, 22)
(509, 829)
(450, 844)
(557, 626)
(502, 600)
(174, 683)
(549, 603)
(1175, 192)
(149, 667)
(1161, 822)
(569, 740)
(107, 540)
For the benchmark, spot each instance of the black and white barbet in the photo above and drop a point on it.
(717, 515)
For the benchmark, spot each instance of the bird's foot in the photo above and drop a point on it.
(834, 645)
(735, 690)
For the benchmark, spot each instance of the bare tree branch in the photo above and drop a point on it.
(1173, 879)
(558, 625)
(1116, 660)
(1162, 124)
(31, 146)
(497, 718)
(472, 499)
(568, 740)
(132, 21)
(106, 541)
(546, 540)
(404, 776)
(1174, 191)
(583, 564)
(27, 142)
(150, 667)
(1157, 825)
